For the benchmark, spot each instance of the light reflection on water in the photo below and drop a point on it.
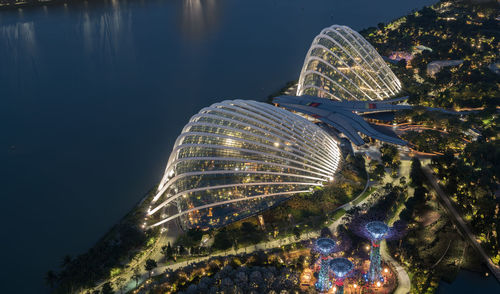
(19, 42)
(103, 32)
(199, 17)
(20, 38)
(107, 33)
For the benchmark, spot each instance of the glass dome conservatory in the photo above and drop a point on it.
(342, 65)
(236, 158)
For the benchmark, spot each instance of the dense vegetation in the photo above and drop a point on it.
(311, 211)
(261, 272)
(433, 131)
(456, 30)
(453, 31)
(433, 141)
(125, 242)
(432, 249)
(472, 179)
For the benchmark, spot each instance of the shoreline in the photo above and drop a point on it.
(20, 5)
(46, 3)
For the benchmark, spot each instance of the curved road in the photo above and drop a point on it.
(404, 283)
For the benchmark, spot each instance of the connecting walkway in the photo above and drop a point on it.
(341, 115)
(345, 115)
(404, 283)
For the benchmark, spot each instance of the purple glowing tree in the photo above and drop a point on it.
(341, 267)
(325, 247)
(377, 231)
(372, 228)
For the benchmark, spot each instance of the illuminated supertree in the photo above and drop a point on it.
(370, 225)
(325, 247)
(341, 267)
(377, 230)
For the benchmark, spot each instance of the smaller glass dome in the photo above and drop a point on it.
(342, 65)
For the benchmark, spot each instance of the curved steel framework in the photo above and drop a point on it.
(238, 157)
(342, 65)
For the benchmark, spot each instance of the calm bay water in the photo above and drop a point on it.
(93, 95)
(470, 282)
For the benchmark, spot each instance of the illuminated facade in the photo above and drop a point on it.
(236, 158)
(342, 65)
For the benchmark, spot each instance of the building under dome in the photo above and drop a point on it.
(342, 65)
(236, 158)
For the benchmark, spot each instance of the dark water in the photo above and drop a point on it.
(468, 282)
(92, 97)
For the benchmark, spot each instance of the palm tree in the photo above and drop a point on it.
(120, 283)
(66, 261)
(136, 277)
(150, 266)
(107, 288)
(50, 278)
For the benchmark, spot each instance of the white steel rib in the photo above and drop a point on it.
(305, 152)
(242, 119)
(361, 47)
(243, 160)
(172, 217)
(215, 108)
(312, 169)
(318, 166)
(322, 90)
(316, 41)
(369, 74)
(234, 150)
(319, 46)
(172, 198)
(322, 35)
(307, 72)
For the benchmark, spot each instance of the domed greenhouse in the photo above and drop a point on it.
(342, 65)
(236, 158)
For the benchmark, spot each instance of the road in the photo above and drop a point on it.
(404, 283)
(459, 220)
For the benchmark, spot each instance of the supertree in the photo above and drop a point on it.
(325, 247)
(377, 230)
(341, 267)
(371, 226)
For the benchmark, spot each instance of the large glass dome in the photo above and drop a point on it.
(236, 158)
(342, 65)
